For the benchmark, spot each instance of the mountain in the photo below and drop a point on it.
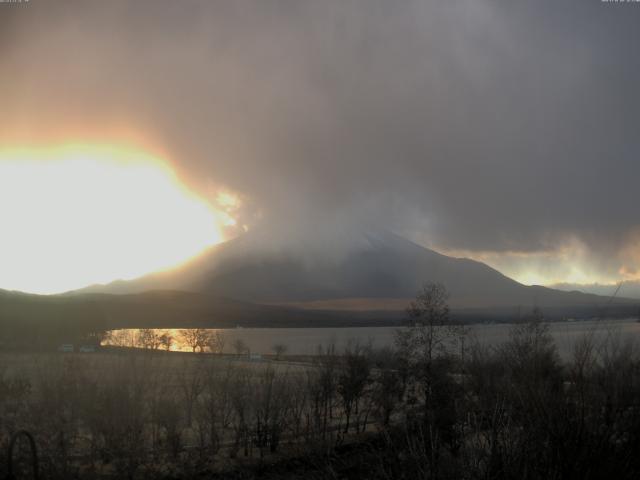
(375, 271)
(628, 289)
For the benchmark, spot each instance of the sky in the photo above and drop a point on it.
(501, 131)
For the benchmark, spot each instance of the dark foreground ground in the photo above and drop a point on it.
(514, 410)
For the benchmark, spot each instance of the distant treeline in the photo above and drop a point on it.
(35, 321)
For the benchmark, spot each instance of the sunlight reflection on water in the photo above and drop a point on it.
(305, 341)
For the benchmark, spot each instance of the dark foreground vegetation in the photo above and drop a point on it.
(435, 406)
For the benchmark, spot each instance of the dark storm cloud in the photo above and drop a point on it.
(478, 125)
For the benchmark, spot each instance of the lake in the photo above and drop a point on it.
(305, 341)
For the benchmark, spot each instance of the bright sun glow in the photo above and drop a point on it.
(76, 215)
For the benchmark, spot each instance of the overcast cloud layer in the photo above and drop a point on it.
(471, 126)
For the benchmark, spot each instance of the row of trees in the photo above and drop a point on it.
(197, 339)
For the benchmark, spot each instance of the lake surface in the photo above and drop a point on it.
(305, 341)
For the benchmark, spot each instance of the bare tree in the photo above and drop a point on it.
(352, 380)
(191, 385)
(430, 331)
(214, 410)
(125, 338)
(241, 396)
(299, 395)
(166, 340)
(149, 339)
(195, 338)
(424, 349)
(279, 349)
(216, 342)
(240, 346)
(270, 410)
(170, 418)
(385, 394)
(322, 383)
